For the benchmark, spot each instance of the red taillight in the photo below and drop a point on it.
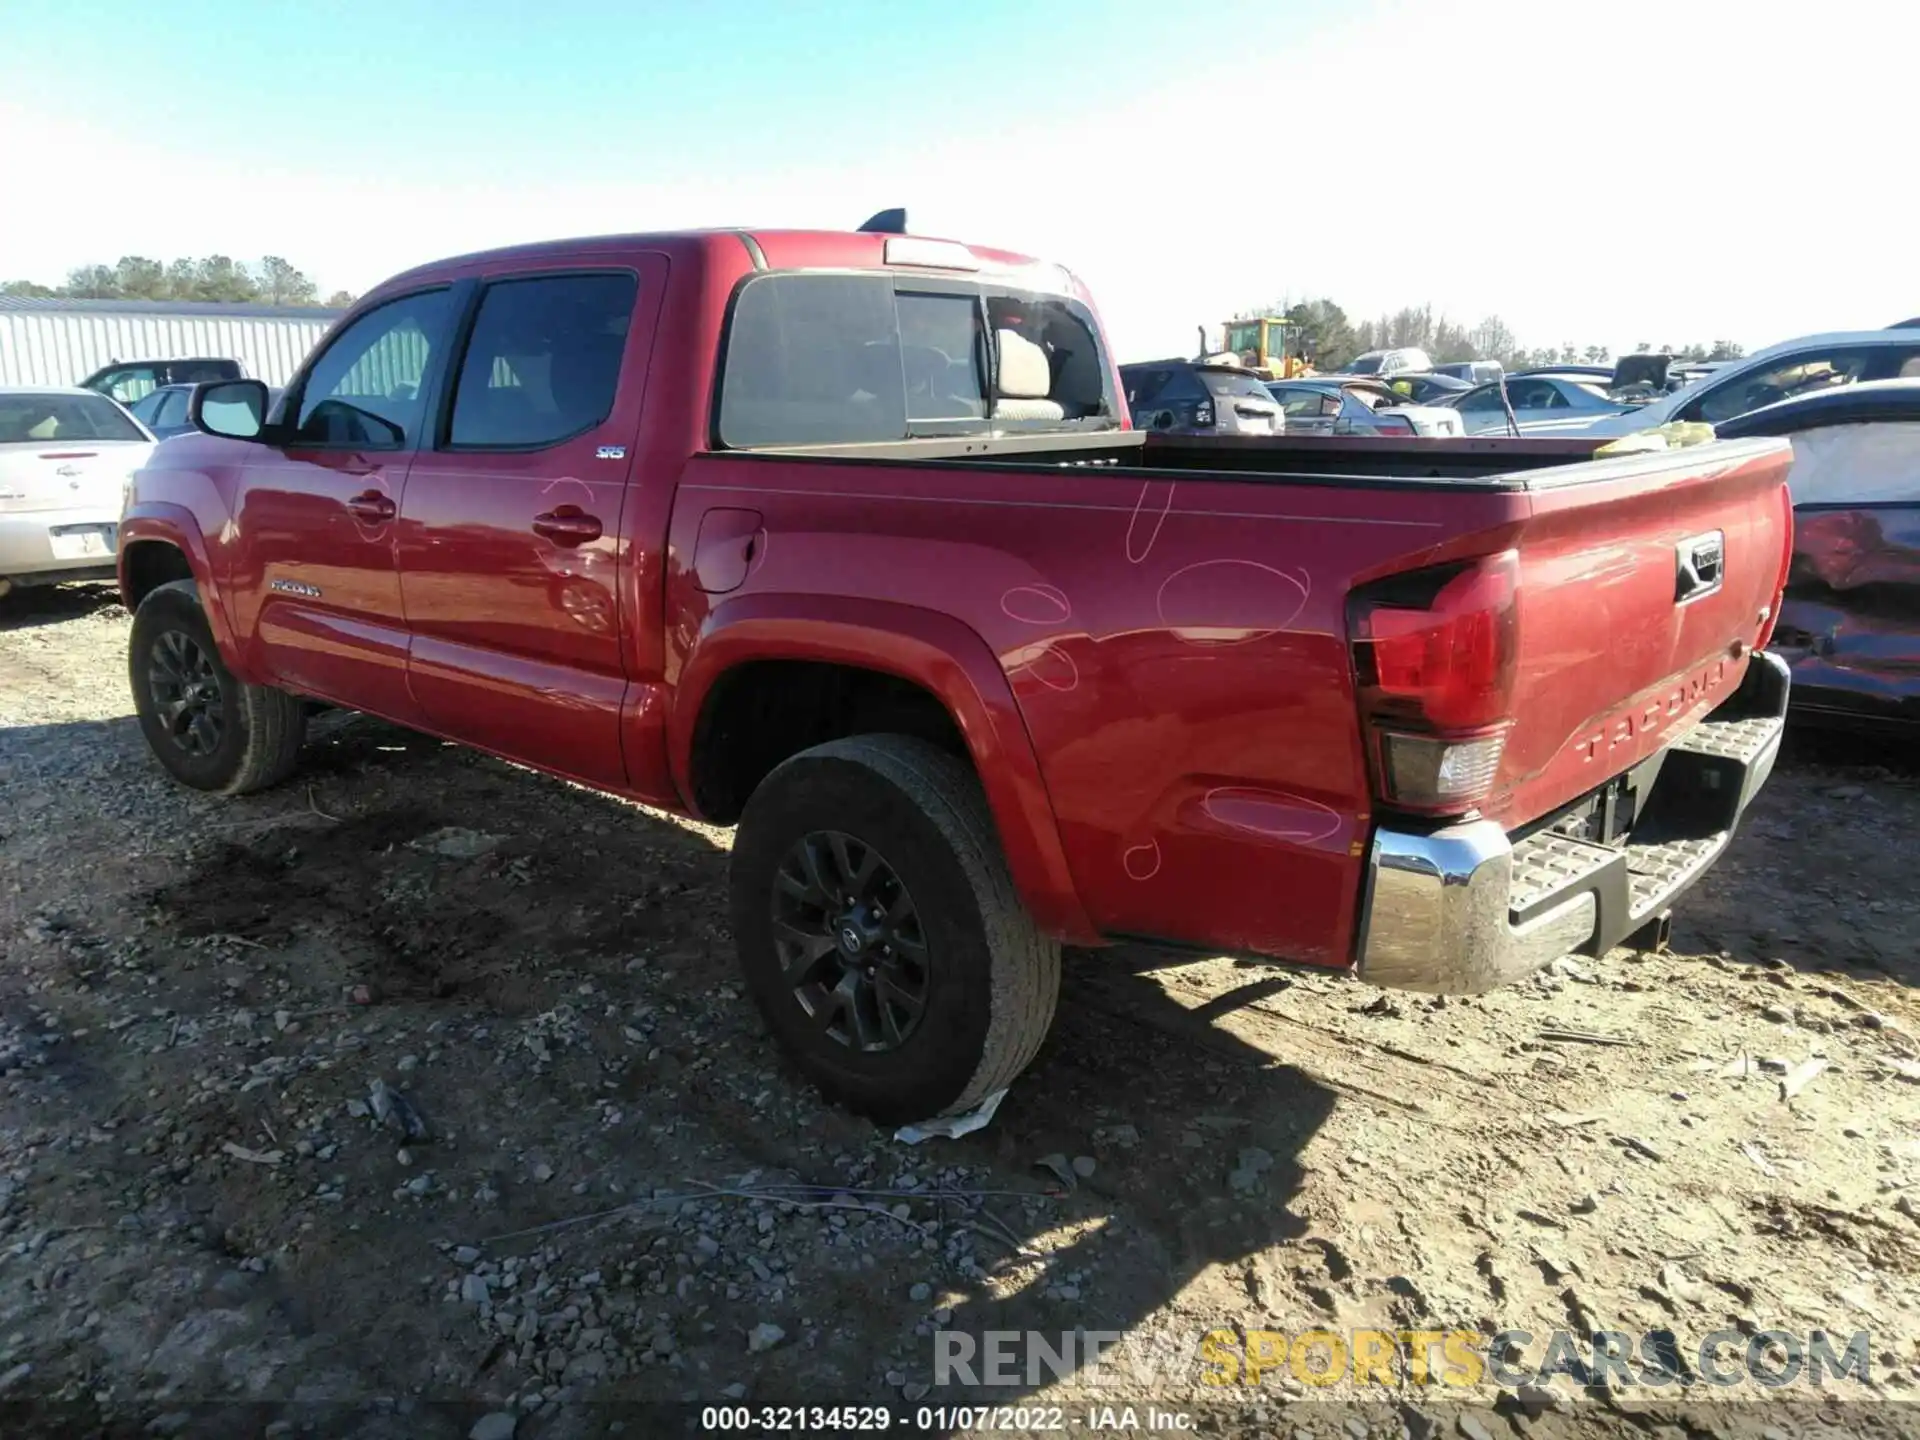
(1434, 653)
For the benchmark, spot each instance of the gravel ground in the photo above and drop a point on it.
(420, 1095)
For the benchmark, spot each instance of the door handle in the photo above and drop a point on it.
(567, 525)
(372, 506)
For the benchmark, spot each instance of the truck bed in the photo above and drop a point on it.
(1172, 617)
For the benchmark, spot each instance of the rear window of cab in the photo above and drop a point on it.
(838, 359)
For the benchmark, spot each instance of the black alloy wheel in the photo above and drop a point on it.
(206, 726)
(880, 933)
(850, 944)
(186, 692)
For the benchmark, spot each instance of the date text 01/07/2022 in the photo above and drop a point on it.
(940, 1419)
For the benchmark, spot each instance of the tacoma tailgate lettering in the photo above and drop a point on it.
(1682, 700)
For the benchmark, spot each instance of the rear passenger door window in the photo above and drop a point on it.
(365, 390)
(813, 359)
(543, 361)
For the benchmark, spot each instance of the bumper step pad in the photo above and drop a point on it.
(1718, 765)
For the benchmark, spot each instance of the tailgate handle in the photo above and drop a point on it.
(1699, 564)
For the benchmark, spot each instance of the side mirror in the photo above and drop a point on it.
(235, 409)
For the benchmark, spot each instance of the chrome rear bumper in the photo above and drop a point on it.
(1467, 908)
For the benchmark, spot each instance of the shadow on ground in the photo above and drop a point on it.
(35, 605)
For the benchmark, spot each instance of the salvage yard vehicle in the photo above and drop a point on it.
(66, 456)
(1850, 622)
(1779, 372)
(1471, 372)
(1426, 389)
(1543, 403)
(1186, 397)
(1270, 346)
(1388, 363)
(846, 539)
(131, 380)
(1356, 405)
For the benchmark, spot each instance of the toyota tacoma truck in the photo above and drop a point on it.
(846, 538)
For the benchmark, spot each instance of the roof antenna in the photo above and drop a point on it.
(887, 222)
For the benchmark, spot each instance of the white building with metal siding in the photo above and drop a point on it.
(61, 342)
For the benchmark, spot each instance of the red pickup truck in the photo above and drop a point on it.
(846, 538)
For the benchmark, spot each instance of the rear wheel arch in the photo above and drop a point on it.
(760, 713)
(913, 672)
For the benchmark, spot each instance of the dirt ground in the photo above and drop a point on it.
(219, 1020)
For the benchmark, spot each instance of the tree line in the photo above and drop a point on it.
(220, 279)
(1326, 333)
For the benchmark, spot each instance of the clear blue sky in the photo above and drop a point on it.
(436, 90)
(1186, 161)
(484, 92)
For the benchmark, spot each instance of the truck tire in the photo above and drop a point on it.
(209, 730)
(880, 932)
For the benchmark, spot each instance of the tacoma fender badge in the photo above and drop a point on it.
(294, 587)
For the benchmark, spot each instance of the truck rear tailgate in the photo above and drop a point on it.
(1645, 583)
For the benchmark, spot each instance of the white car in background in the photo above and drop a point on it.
(1780, 372)
(65, 458)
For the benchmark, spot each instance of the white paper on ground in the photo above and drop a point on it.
(951, 1127)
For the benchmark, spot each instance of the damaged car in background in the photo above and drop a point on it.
(1807, 366)
(1850, 622)
(1187, 397)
